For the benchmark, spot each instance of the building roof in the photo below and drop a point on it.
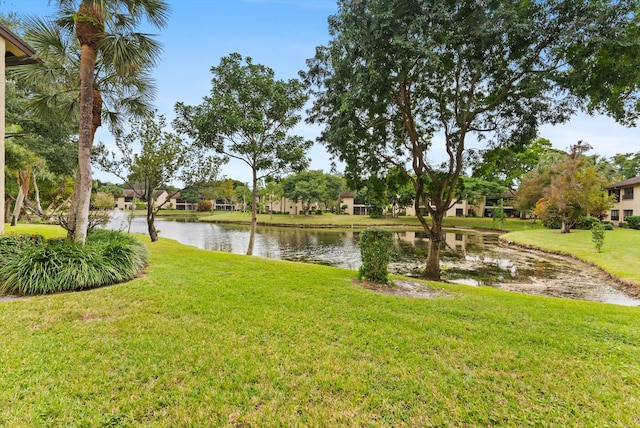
(17, 51)
(628, 182)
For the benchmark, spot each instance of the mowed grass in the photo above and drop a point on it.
(216, 339)
(365, 221)
(620, 254)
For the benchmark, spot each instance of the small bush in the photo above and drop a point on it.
(607, 225)
(376, 249)
(10, 245)
(588, 222)
(57, 265)
(597, 235)
(633, 221)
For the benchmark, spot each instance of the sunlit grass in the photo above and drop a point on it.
(620, 254)
(217, 339)
(366, 221)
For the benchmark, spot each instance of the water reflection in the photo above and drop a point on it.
(467, 258)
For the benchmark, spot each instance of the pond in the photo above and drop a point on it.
(468, 257)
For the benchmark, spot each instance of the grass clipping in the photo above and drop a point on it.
(31, 265)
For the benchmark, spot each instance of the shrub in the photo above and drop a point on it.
(607, 225)
(204, 206)
(56, 265)
(633, 221)
(10, 245)
(588, 222)
(597, 235)
(376, 248)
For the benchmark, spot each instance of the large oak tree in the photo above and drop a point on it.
(400, 78)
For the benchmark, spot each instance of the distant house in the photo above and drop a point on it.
(178, 203)
(126, 202)
(627, 199)
(461, 208)
(170, 200)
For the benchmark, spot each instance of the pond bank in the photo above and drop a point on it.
(628, 286)
(469, 256)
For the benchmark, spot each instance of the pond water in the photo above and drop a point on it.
(470, 258)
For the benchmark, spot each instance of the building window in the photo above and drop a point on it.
(615, 215)
(627, 213)
(459, 212)
(627, 193)
(615, 193)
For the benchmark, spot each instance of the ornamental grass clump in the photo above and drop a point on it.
(376, 249)
(57, 265)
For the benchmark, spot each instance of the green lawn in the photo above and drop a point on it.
(333, 220)
(620, 254)
(216, 339)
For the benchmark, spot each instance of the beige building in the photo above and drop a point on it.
(284, 205)
(461, 208)
(627, 199)
(16, 52)
(169, 201)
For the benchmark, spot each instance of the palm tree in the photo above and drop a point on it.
(112, 59)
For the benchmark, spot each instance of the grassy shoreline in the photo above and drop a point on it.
(217, 339)
(349, 221)
(620, 255)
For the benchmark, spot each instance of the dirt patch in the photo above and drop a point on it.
(403, 288)
(9, 298)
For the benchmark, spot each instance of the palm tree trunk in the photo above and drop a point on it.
(82, 189)
(88, 27)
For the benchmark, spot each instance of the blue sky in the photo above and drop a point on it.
(281, 34)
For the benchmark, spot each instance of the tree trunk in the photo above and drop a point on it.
(7, 209)
(88, 28)
(36, 195)
(254, 210)
(566, 226)
(432, 269)
(151, 226)
(18, 206)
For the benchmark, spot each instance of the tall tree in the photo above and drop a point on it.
(309, 187)
(108, 46)
(162, 158)
(627, 164)
(399, 76)
(507, 164)
(248, 116)
(574, 190)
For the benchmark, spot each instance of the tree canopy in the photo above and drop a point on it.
(150, 157)
(566, 190)
(248, 116)
(399, 77)
(311, 187)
